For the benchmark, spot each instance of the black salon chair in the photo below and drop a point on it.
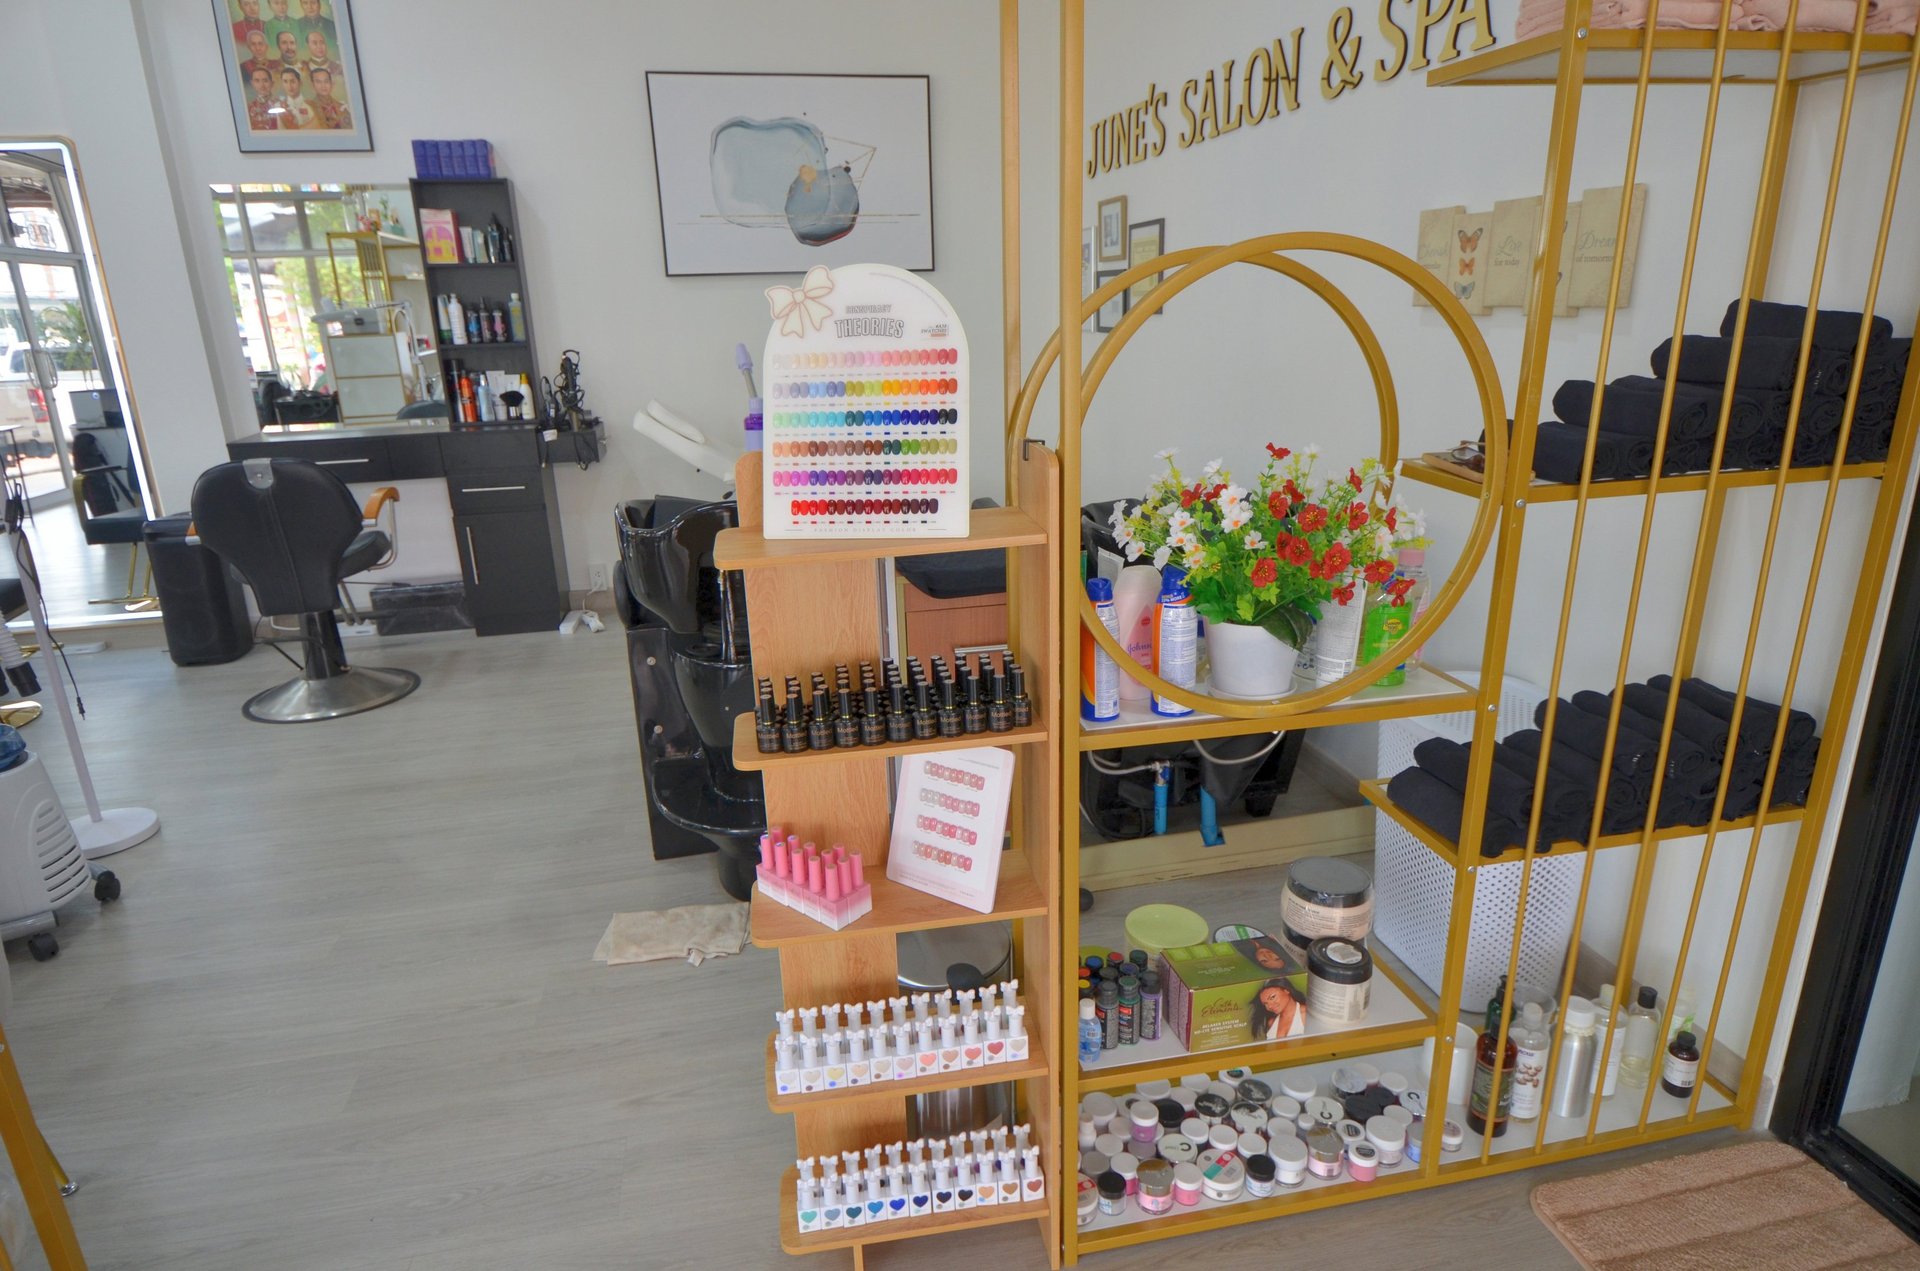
(293, 531)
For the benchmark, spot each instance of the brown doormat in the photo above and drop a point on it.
(1740, 1208)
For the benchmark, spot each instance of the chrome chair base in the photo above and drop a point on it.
(346, 692)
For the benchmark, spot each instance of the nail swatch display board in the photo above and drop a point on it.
(866, 408)
(949, 823)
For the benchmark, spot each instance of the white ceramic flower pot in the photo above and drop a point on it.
(1249, 661)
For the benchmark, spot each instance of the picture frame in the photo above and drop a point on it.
(1108, 316)
(1110, 229)
(312, 100)
(1145, 240)
(1086, 271)
(777, 173)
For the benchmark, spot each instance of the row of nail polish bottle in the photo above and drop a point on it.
(916, 1178)
(828, 886)
(977, 697)
(902, 1038)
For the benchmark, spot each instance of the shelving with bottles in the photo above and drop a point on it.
(496, 335)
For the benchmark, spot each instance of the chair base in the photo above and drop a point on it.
(347, 692)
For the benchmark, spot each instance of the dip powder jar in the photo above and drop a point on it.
(1363, 1162)
(1222, 1176)
(1177, 1149)
(1289, 1161)
(1325, 1152)
(1186, 1184)
(1260, 1172)
(1113, 1194)
(1156, 1187)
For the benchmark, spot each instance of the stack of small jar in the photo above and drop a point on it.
(1236, 1136)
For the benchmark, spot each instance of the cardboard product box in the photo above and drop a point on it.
(1214, 994)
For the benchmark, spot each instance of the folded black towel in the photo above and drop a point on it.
(1625, 805)
(1687, 764)
(1631, 404)
(1431, 801)
(1569, 805)
(1509, 796)
(1701, 727)
(1832, 328)
(1815, 450)
(1559, 450)
(1757, 720)
(1760, 451)
(1766, 362)
(1587, 733)
(1870, 444)
(1686, 456)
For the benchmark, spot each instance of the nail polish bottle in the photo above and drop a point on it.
(820, 718)
(973, 711)
(1022, 704)
(925, 725)
(873, 724)
(766, 727)
(899, 720)
(846, 729)
(1000, 709)
(793, 725)
(949, 717)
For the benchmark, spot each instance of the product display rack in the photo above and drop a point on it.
(1770, 65)
(815, 603)
(476, 202)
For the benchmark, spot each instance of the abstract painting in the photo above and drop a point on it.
(774, 174)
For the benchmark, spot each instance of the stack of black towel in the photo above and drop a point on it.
(1763, 393)
(1433, 791)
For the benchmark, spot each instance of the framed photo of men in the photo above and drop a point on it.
(293, 74)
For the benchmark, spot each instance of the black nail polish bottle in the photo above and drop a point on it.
(925, 725)
(1022, 704)
(899, 719)
(873, 724)
(766, 722)
(1000, 708)
(793, 724)
(949, 718)
(846, 729)
(973, 711)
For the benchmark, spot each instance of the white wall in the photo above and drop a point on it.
(1244, 358)
(563, 98)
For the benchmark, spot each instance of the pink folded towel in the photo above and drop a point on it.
(1815, 15)
(1541, 17)
(1893, 17)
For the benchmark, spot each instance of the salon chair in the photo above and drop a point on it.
(293, 531)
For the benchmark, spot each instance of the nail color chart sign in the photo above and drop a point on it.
(949, 822)
(866, 408)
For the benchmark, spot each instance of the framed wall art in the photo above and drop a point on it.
(293, 75)
(1110, 229)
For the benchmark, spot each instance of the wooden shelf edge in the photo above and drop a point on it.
(1034, 1065)
(897, 908)
(747, 756)
(1375, 792)
(1264, 1056)
(989, 528)
(1637, 487)
(794, 1242)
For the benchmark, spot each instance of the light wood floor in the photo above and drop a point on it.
(346, 1016)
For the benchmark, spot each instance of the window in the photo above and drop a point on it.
(283, 266)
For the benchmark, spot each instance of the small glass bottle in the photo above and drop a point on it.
(1532, 1042)
(1680, 1071)
(1487, 1115)
(1022, 704)
(1642, 1038)
(766, 727)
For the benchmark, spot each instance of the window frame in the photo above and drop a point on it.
(238, 196)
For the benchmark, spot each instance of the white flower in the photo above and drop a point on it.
(1211, 470)
(1179, 521)
(1161, 557)
(1164, 455)
(1233, 496)
(1133, 549)
(1312, 452)
(1196, 557)
(1253, 542)
(1123, 534)
(1171, 510)
(1118, 515)
(1232, 518)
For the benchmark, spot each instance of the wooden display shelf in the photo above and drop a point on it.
(1375, 792)
(989, 528)
(1538, 491)
(895, 1228)
(1426, 692)
(1034, 1065)
(1397, 1017)
(1680, 57)
(747, 756)
(897, 908)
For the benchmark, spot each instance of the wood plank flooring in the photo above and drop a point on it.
(346, 1015)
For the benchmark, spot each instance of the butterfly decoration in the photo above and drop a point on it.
(1467, 263)
(1463, 289)
(1470, 242)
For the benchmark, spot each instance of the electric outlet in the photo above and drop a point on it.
(599, 577)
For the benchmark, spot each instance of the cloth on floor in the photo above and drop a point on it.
(1542, 17)
(1814, 15)
(693, 932)
(1631, 405)
(1832, 329)
(1428, 799)
(1509, 796)
(1766, 362)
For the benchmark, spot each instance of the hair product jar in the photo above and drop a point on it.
(1326, 896)
(1253, 1090)
(1339, 981)
(1248, 1116)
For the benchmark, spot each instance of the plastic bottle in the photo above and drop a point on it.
(1091, 1035)
(1175, 638)
(516, 318)
(1413, 564)
(440, 324)
(1681, 1067)
(1134, 593)
(1099, 674)
(1381, 628)
(1680, 1013)
(1642, 1034)
(1336, 637)
(1609, 1020)
(1579, 1048)
(457, 320)
(1532, 1044)
(755, 423)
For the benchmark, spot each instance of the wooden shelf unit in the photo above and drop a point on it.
(815, 603)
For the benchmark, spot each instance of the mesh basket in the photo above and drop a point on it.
(1413, 888)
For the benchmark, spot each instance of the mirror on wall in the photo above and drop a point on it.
(329, 301)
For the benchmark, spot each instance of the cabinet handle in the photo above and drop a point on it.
(473, 557)
(334, 463)
(489, 489)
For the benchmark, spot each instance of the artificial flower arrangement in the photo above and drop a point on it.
(1273, 556)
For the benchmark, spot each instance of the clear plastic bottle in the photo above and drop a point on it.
(1385, 622)
(1642, 1038)
(1609, 1021)
(1532, 1043)
(1092, 1037)
(1680, 1014)
(1413, 564)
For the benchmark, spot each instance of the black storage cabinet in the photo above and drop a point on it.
(202, 608)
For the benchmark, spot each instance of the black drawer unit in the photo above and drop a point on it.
(353, 459)
(490, 450)
(508, 562)
(499, 489)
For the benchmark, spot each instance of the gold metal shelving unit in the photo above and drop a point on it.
(1763, 66)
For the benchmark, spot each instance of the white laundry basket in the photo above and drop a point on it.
(41, 868)
(1413, 888)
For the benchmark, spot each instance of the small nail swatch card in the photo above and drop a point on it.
(949, 823)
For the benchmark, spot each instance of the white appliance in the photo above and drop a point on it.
(41, 866)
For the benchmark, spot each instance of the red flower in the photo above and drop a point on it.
(1313, 517)
(1398, 590)
(1279, 504)
(1338, 557)
(1265, 571)
(1353, 478)
(1299, 552)
(1215, 492)
(1292, 490)
(1356, 516)
(1278, 452)
(1393, 514)
(1344, 595)
(1379, 572)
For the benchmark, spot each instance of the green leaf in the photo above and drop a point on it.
(1244, 607)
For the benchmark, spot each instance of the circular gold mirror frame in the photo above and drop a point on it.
(1182, 270)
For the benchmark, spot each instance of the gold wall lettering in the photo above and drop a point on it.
(1265, 83)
